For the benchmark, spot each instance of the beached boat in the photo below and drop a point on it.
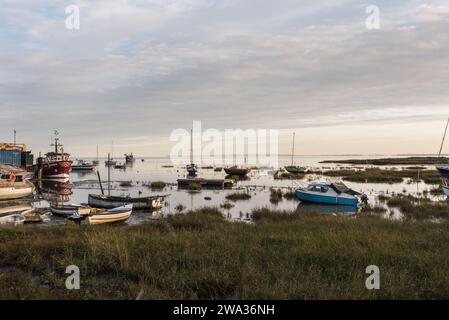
(237, 171)
(330, 193)
(56, 164)
(109, 202)
(13, 183)
(116, 215)
(443, 170)
(65, 210)
(14, 219)
(82, 165)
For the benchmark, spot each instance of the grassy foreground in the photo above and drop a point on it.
(198, 255)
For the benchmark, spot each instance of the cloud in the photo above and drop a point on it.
(144, 68)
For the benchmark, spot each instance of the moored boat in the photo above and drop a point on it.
(446, 190)
(14, 183)
(109, 202)
(237, 171)
(443, 170)
(82, 165)
(115, 215)
(56, 164)
(330, 193)
(296, 169)
(129, 157)
(120, 166)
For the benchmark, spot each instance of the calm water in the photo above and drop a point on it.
(258, 185)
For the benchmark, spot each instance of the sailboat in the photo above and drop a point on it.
(111, 161)
(443, 168)
(96, 162)
(191, 168)
(292, 168)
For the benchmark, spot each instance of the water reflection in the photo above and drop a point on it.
(54, 191)
(326, 209)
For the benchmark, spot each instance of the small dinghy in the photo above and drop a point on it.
(330, 193)
(14, 219)
(237, 171)
(115, 215)
(69, 210)
(296, 169)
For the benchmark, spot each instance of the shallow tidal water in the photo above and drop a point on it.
(141, 173)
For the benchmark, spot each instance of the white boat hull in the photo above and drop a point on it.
(14, 219)
(70, 210)
(112, 216)
(98, 202)
(12, 193)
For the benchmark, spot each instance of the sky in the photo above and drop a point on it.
(136, 70)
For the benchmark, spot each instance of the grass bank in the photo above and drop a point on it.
(393, 161)
(198, 255)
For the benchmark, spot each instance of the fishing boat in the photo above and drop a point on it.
(330, 193)
(109, 202)
(14, 219)
(116, 215)
(292, 168)
(56, 164)
(237, 171)
(65, 210)
(13, 183)
(82, 165)
(129, 157)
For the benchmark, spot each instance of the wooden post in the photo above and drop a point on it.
(99, 180)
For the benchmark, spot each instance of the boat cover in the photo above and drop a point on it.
(342, 188)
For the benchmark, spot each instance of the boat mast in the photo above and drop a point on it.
(293, 148)
(109, 175)
(191, 146)
(444, 138)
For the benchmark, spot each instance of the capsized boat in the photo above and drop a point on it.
(109, 202)
(14, 183)
(237, 171)
(82, 165)
(66, 210)
(14, 219)
(330, 193)
(116, 215)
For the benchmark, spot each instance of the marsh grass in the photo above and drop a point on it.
(419, 208)
(275, 195)
(126, 184)
(199, 256)
(238, 196)
(158, 185)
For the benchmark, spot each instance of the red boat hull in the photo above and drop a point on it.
(57, 170)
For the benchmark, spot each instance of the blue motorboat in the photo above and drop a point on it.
(129, 157)
(330, 193)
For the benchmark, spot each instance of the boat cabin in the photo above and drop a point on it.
(10, 174)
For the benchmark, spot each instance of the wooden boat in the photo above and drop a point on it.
(115, 215)
(330, 193)
(65, 210)
(13, 183)
(82, 165)
(237, 171)
(14, 219)
(109, 202)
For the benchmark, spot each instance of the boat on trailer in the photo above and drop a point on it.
(330, 193)
(109, 202)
